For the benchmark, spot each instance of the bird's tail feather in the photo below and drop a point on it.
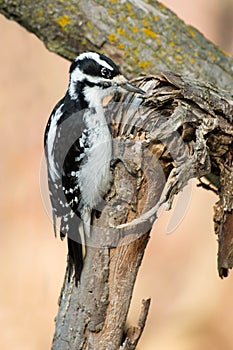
(75, 259)
(70, 226)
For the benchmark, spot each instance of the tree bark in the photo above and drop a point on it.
(181, 129)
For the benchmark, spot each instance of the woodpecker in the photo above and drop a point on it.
(78, 149)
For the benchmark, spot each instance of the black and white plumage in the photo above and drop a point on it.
(78, 148)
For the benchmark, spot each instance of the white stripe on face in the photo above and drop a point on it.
(95, 56)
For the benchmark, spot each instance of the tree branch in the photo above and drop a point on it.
(140, 35)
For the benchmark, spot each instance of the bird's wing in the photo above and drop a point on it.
(63, 162)
(68, 151)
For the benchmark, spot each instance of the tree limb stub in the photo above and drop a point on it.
(134, 332)
(140, 35)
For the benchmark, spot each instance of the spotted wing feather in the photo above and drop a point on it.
(66, 156)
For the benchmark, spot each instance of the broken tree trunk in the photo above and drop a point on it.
(165, 138)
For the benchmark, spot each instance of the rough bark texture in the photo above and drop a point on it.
(141, 35)
(181, 129)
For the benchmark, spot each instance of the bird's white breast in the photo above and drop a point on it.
(94, 176)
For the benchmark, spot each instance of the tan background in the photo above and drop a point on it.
(191, 307)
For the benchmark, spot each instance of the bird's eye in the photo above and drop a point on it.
(106, 73)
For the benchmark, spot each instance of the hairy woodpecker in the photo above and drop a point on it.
(78, 148)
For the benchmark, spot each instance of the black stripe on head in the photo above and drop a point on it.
(90, 67)
(101, 84)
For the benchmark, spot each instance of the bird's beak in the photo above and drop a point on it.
(133, 88)
(122, 82)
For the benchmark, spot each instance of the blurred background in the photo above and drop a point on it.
(191, 307)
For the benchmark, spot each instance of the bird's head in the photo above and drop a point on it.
(97, 76)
